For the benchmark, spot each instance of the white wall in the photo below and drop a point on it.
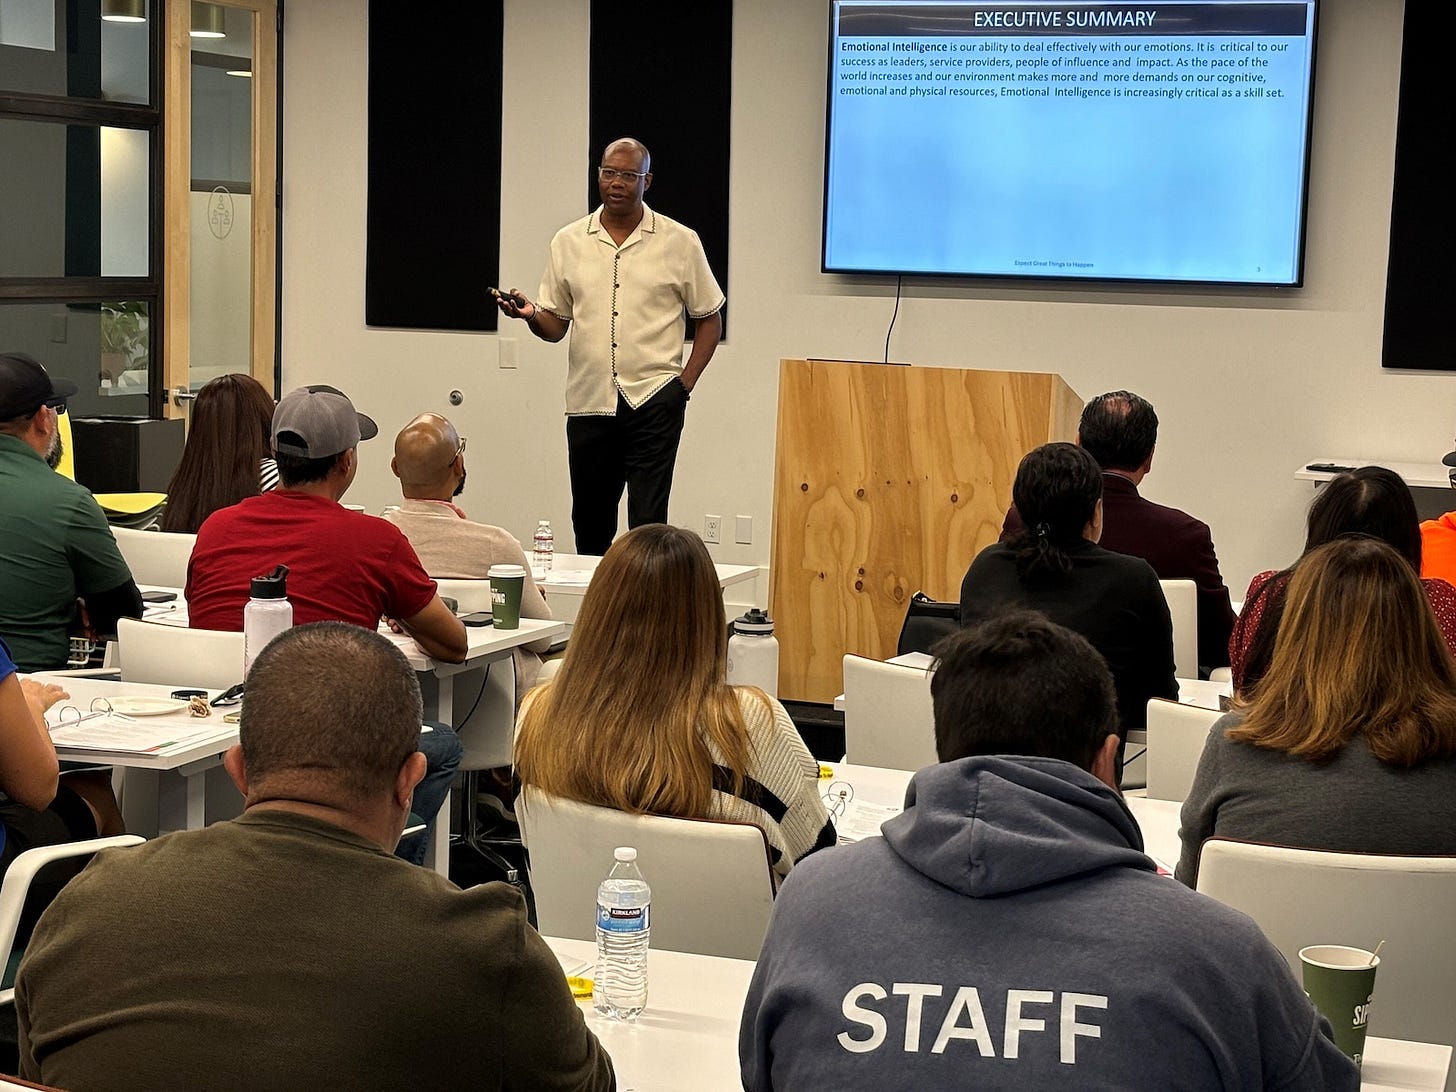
(1247, 385)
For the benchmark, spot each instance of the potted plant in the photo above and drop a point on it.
(123, 338)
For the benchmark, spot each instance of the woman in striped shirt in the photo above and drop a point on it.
(229, 452)
(641, 718)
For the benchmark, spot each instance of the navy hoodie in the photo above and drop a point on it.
(1007, 932)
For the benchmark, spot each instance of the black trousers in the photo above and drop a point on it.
(633, 448)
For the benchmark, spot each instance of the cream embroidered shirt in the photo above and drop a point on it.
(626, 306)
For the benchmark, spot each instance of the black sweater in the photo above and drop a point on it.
(1111, 599)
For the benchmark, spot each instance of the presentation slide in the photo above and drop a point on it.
(1157, 142)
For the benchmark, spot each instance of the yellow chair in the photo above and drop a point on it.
(126, 509)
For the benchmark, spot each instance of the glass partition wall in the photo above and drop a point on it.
(138, 167)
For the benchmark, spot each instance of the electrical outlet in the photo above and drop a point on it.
(712, 528)
(507, 352)
(744, 529)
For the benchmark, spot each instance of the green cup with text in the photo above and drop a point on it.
(507, 582)
(1341, 983)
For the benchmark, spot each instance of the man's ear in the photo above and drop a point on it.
(232, 761)
(1104, 763)
(394, 467)
(410, 775)
(646, 181)
(1148, 462)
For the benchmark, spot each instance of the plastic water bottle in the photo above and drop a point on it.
(267, 614)
(624, 928)
(543, 546)
(753, 652)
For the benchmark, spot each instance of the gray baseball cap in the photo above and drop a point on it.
(317, 421)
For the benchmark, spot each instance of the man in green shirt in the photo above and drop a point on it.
(287, 948)
(56, 546)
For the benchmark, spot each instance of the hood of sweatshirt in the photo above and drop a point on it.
(992, 825)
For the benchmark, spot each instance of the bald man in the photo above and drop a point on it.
(621, 279)
(429, 461)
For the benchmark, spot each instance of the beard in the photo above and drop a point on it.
(57, 452)
(460, 487)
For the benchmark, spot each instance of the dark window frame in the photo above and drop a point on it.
(63, 110)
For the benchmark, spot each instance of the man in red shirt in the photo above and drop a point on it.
(342, 566)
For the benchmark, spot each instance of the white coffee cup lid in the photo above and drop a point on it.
(506, 570)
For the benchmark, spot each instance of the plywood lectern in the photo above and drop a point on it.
(887, 480)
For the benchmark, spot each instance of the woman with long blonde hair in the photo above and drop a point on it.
(641, 718)
(1349, 741)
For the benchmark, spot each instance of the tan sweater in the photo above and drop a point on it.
(278, 951)
(456, 548)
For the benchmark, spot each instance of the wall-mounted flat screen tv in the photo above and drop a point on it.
(1160, 142)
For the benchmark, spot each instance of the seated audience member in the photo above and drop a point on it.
(342, 566)
(1438, 540)
(1349, 741)
(429, 461)
(640, 717)
(228, 455)
(1370, 501)
(55, 546)
(984, 940)
(38, 807)
(286, 948)
(1120, 431)
(1057, 567)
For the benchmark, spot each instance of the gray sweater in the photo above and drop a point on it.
(1352, 804)
(984, 943)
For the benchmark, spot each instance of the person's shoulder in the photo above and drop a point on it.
(668, 228)
(574, 232)
(814, 881)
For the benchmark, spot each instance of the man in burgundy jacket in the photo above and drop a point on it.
(1120, 430)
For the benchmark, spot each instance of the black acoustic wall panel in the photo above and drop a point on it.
(1421, 281)
(661, 71)
(434, 163)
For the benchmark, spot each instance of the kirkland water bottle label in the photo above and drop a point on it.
(614, 919)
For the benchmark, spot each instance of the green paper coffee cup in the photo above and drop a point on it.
(1341, 983)
(507, 582)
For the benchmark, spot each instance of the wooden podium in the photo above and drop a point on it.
(887, 481)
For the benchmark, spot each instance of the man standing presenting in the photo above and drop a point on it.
(621, 279)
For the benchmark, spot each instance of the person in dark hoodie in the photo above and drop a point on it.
(985, 942)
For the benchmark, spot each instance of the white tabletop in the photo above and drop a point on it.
(482, 642)
(572, 573)
(83, 690)
(694, 1002)
(1431, 475)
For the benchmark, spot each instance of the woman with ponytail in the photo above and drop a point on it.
(1055, 566)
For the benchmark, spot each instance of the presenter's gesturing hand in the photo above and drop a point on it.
(542, 323)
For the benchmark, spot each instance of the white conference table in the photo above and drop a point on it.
(688, 1034)
(1431, 475)
(484, 645)
(566, 582)
(173, 794)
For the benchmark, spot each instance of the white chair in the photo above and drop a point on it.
(888, 720)
(155, 557)
(21, 874)
(1182, 597)
(153, 653)
(712, 889)
(1176, 735)
(1301, 897)
(469, 595)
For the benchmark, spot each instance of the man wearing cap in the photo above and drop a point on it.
(343, 566)
(56, 547)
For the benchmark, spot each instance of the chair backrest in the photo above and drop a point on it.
(152, 653)
(1176, 735)
(1301, 897)
(469, 595)
(712, 889)
(155, 557)
(887, 715)
(22, 872)
(926, 622)
(1182, 597)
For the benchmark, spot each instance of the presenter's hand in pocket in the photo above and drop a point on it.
(687, 390)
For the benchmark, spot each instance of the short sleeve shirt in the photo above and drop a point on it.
(343, 566)
(626, 306)
(55, 546)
